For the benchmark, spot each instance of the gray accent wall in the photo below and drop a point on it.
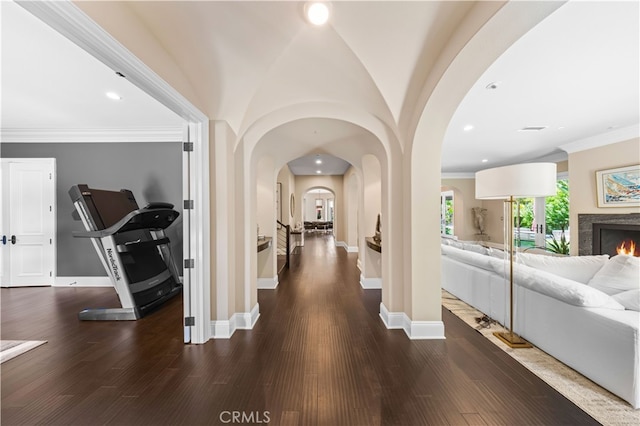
(152, 171)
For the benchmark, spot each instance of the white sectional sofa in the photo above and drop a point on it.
(582, 310)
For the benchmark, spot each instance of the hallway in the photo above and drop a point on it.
(318, 355)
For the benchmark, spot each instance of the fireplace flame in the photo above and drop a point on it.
(623, 249)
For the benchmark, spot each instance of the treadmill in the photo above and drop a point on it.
(133, 248)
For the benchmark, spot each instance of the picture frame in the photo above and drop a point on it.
(619, 187)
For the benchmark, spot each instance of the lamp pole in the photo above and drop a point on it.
(511, 339)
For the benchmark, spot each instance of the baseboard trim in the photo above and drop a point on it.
(224, 329)
(370, 283)
(349, 249)
(268, 283)
(246, 320)
(415, 330)
(82, 282)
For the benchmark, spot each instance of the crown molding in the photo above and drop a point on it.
(603, 139)
(457, 175)
(169, 134)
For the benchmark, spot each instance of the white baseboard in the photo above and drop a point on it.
(370, 283)
(349, 249)
(268, 283)
(246, 320)
(415, 330)
(224, 329)
(82, 282)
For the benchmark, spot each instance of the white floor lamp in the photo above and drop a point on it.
(508, 183)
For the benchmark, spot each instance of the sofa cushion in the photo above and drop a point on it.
(476, 248)
(630, 299)
(576, 268)
(620, 273)
(563, 289)
(468, 257)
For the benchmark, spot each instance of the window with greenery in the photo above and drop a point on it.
(446, 213)
(556, 220)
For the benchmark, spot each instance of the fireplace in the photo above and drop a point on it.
(586, 236)
(613, 239)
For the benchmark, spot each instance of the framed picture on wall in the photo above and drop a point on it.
(618, 187)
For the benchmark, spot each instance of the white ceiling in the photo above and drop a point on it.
(576, 73)
(50, 83)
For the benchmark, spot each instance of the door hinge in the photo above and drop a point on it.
(50, 240)
(189, 263)
(188, 204)
(187, 146)
(189, 321)
(50, 273)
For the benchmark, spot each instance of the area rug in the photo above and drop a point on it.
(599, 403)
(12, 348)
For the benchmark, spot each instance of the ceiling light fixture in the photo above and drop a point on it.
(467, 128)
(484, 160)
(318, 161)
(318, 171)
(532, 128)
(317, 13)
(114, 96)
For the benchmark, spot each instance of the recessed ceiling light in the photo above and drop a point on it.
(532, 128)
(484, 160)
(467, 128)
(317, 13)
(114, 96)
(318, 161)
(318, 171)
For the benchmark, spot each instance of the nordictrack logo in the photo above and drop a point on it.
(114, 265)
(245, 417)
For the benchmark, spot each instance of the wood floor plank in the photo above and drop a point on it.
(318, 355)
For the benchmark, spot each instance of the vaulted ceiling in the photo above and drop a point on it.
(576, 73)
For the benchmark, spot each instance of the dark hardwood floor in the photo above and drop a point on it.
(318, 355)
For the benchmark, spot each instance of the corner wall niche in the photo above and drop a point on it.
(585, 227)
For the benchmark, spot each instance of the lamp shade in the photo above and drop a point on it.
(518, 181)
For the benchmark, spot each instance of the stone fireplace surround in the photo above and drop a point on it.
(585, 227)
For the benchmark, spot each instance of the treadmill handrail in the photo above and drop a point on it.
(129, 223)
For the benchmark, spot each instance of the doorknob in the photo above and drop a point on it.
(4, 239)
(13, 239)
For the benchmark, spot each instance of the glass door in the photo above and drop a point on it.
(446, 213)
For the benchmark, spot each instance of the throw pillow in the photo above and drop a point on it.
(630, 299)
(619, 274)
(577, 268)
(563, 289)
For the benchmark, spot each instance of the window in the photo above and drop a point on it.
(446, 213)
(550, 231)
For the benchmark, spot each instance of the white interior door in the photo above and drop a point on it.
(28, 222)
